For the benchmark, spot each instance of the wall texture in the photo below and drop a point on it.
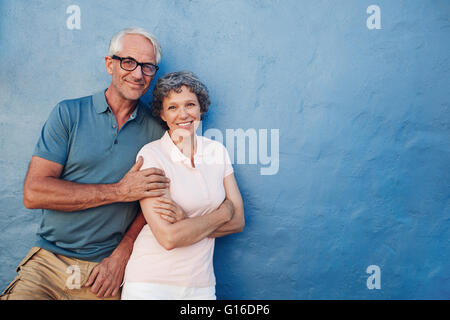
(360, 101)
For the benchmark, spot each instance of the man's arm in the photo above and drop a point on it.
(43, 188)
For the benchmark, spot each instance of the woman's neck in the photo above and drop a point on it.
(186, 144)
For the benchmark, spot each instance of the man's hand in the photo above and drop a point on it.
(168, 210)
(106, 277)
(137, 185)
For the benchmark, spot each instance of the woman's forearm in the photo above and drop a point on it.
(234, 199)
(235, 225)
(184, 232)
(189, 231)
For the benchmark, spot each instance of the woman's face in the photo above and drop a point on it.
(181, 112)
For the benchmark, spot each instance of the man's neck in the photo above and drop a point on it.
(121, 107)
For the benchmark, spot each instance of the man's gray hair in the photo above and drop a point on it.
(115, 45)
(173, 82)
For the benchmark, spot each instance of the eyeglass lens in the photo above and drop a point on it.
(130, 65)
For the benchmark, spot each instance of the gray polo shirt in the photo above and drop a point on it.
(81, 134)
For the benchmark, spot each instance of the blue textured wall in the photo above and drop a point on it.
(363, 118)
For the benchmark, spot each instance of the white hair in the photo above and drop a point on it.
(115, 45)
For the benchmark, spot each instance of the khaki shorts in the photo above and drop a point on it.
(43, 275)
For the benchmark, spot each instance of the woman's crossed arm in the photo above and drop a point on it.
(167, 221)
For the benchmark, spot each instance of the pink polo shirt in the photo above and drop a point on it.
(198, 191)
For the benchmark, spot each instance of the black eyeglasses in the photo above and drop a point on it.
(129, 64)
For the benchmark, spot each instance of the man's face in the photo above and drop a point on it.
(131, 85)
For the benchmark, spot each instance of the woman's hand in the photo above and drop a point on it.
(168, 210)
(235, 206)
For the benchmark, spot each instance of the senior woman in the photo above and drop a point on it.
(173, 255)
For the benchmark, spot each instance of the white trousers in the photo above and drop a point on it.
(158, 291)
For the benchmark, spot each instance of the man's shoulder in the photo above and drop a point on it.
(74, 103)
(79, 99)
(147, 114)
(68, 110)
(151, 123)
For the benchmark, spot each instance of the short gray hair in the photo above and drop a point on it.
(115, 45)
(173, 82)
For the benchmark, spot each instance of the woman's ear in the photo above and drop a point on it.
(161, 114)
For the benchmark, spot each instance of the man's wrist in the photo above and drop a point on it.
(108, 193)
(117, 192)
(124, 248)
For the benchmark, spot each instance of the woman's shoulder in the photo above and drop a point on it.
(151, 155)
(152, 147)
(212, 148)
(207, 142)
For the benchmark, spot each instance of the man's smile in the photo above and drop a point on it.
(135, 84)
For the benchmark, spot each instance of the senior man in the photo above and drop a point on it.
(80, 177)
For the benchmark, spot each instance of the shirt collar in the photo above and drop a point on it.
(99, 101)
(100, 105)
(176, 155)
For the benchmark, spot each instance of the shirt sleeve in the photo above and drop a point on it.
(53, 141)
(228, 168)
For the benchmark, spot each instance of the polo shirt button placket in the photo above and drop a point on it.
(115, 136)
(114, 126)
(202, 184)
